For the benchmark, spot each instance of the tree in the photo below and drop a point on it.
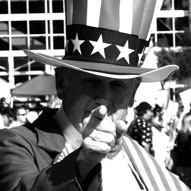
(181, 57)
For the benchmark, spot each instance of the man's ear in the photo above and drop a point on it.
(134, 89)
(61, 81)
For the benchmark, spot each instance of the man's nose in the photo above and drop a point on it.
(106, 103)
(100, 101)
(105, 93)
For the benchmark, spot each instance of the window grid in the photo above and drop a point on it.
(175, 14)
(14, 40)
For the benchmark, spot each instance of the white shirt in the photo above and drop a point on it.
(72, 136)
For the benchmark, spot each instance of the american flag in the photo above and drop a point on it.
(127, 16)
(154, 176)
(109, 31)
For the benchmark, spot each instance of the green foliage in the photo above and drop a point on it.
(181, 58)
(185, 38)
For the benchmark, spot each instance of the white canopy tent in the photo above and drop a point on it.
(41, 85)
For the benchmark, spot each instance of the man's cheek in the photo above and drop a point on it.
(121, 104)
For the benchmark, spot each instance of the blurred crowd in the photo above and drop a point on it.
(16, 115)
(168, 140)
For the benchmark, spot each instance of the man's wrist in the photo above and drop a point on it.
(83, 166)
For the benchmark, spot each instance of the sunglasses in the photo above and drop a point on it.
(23, 114)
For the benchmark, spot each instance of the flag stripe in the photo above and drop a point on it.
(136, 174)
(158, 170)
(93, 12)
(169, 180)
(151, 169)
(156, 11)
(137, 163)
(109, 17)
(179, 184)
(146, 169)
(69, 8)
(165, 177)
(126, 12)
(127, 16)
(159, 176)
(79, 12)
(137, 16)
(147, 17)
(163, 174)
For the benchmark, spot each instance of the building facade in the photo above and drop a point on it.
(38, 25)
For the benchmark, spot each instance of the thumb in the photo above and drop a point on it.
(121, 128)
(100, 112)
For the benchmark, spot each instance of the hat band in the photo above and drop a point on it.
(101, 45)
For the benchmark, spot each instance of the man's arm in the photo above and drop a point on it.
(23, 169)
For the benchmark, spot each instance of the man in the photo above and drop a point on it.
(20, 113)
(79, 146)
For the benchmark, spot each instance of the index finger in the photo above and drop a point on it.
(100, 112)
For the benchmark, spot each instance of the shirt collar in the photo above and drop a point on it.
(72, 135)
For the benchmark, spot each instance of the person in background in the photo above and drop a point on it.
(162, 142)
(81, 146)
(157, 119)
(141, 128)
(174, 123)
(19, 116)
(6, 112)
(181, 154)
(8, 117)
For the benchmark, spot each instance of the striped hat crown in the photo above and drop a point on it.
(107, 38)
(108, 31)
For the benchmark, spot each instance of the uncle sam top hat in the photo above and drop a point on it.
(107, 38)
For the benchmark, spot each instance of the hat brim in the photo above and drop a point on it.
(102, 69)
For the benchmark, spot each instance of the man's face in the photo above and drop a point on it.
(21, 115)
(83, 92)
(148, 115)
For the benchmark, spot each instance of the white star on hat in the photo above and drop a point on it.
(77, 44)
(99, 46)
(124, 51)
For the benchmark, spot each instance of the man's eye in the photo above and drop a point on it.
(118, 86)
